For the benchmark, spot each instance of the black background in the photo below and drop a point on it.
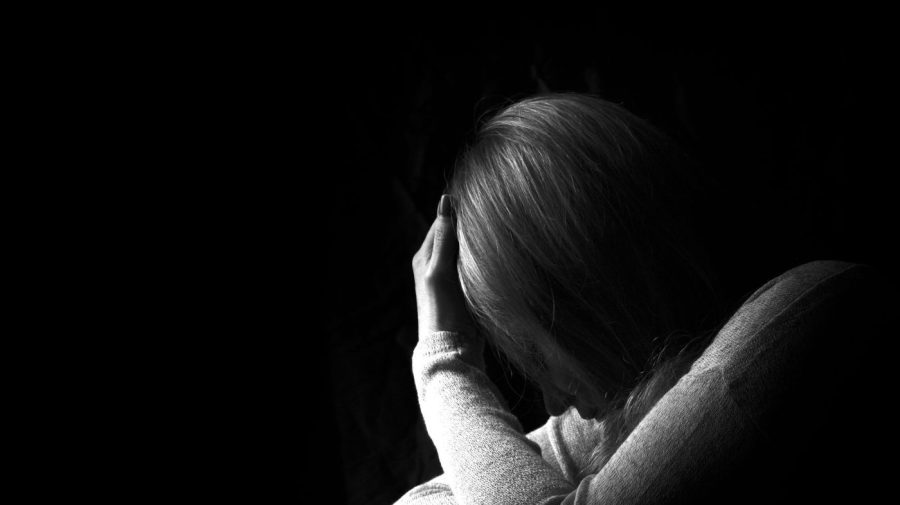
(786, 113)
(300, 158)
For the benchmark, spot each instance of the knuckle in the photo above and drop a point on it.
(434, 277)
(439, 233)
(430, 277)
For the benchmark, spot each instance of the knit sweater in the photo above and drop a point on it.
(695, 434)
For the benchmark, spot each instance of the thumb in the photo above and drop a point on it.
(443, 254)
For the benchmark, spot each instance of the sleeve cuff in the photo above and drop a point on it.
(468, 347)
(442, 341)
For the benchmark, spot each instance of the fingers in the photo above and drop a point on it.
(427, 244)
(439, 248)
(445, 246)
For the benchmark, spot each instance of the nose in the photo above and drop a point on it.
(554, 405)
(587, 412)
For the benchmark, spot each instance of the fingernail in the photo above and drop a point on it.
(444, 206)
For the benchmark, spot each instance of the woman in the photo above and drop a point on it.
(564, 239)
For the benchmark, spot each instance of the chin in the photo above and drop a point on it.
(588, 412)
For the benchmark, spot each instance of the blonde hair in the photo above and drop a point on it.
(575, 248)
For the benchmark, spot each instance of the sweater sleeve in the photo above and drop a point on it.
(565, 443)
(485, 455)
(689, 438)
(487, 459)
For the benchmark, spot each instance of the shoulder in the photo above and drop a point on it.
(805, 281)
(778, 313)
(794, 359)
(774, 381)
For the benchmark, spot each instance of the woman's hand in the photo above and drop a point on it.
(439, 297)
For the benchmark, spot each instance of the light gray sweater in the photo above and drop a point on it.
(697, 426)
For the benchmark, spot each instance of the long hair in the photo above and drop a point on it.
(576, 251)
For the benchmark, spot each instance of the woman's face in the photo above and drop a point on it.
(565, 389)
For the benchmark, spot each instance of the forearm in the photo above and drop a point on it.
(433, 492)
(485, 455)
